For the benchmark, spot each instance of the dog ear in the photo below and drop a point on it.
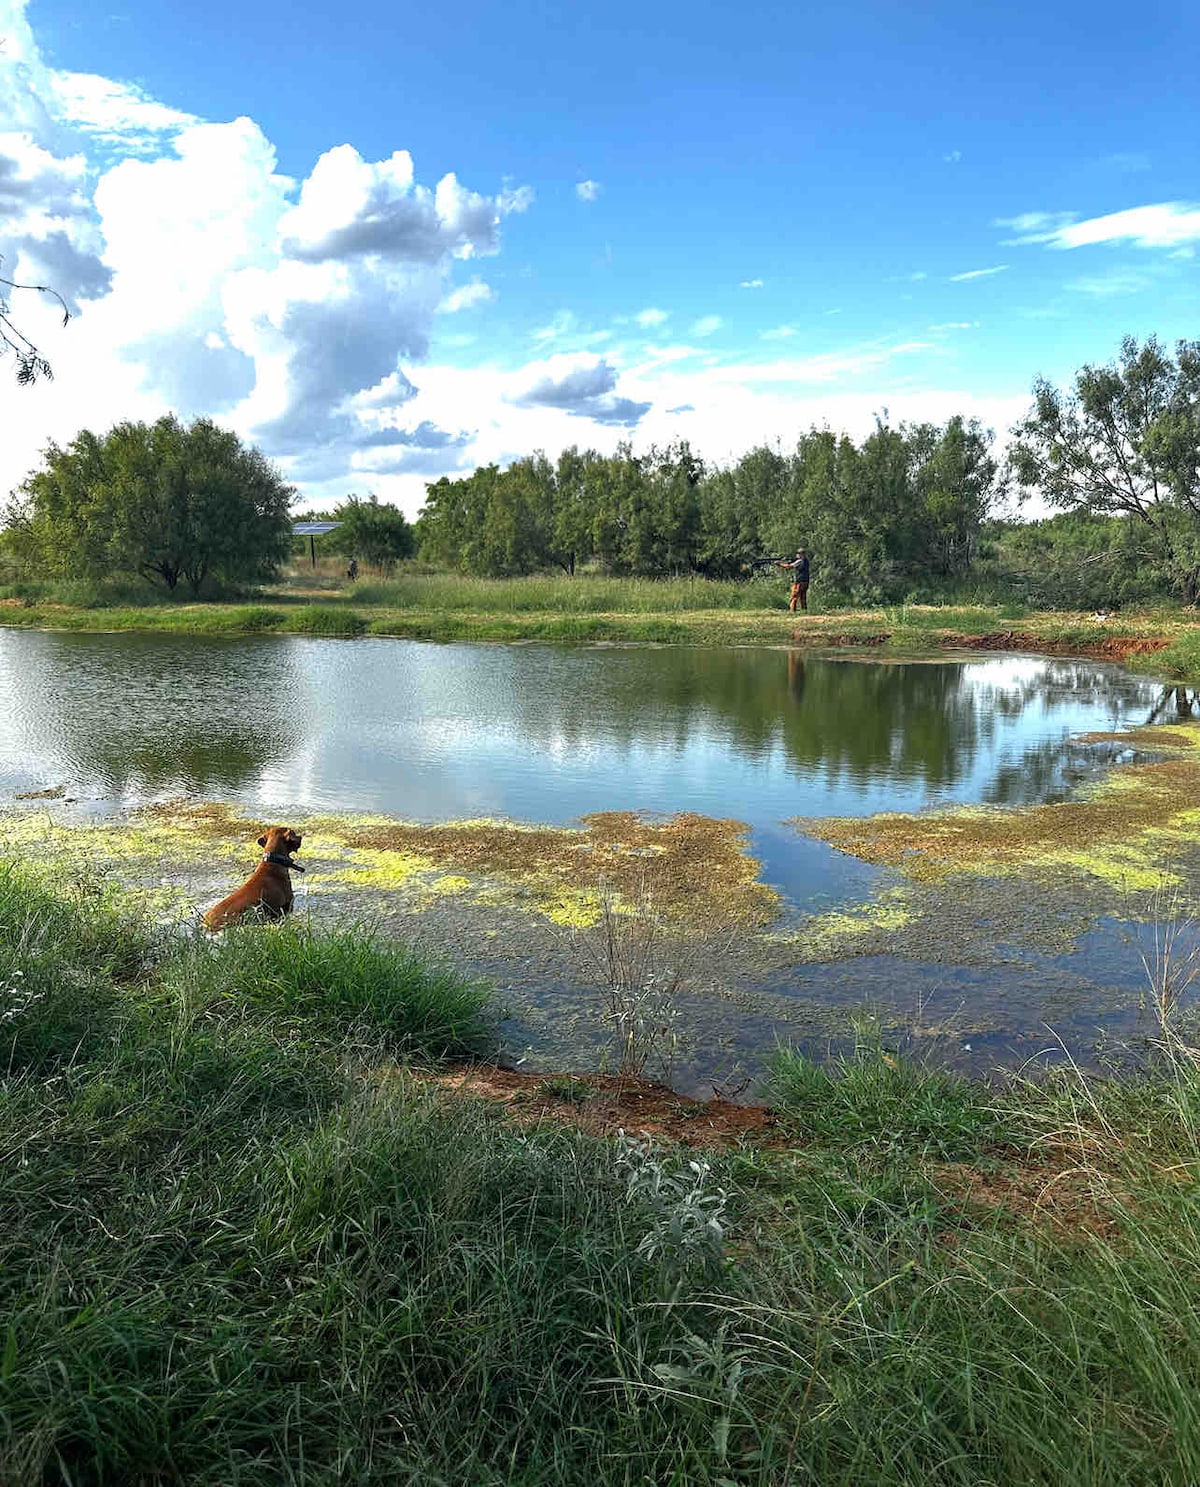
(262, 841)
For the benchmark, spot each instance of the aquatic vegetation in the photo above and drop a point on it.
(1129, 830)
(695, 868)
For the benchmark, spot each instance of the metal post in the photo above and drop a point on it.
(312, 547)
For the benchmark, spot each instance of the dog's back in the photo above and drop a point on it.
(268, 888)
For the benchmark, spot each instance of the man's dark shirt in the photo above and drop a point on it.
(799, 570)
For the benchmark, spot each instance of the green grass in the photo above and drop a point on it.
(233, 1251)
(588, 610)
(345, 984)
(570, 596)
(884, 1102)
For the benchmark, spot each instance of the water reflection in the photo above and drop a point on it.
(437, 731)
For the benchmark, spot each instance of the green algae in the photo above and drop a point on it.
(1128, 831)
(692, 869)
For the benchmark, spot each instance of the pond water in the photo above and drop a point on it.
(426, 732)
(435, 732)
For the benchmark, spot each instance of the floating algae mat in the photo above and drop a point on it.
(691, 870)
(1131, 829)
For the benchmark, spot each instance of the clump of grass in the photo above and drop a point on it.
(324, 619)
(340, 982)
(568, 1088)
(253, 619)
(877, 1099)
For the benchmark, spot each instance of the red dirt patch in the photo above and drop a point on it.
(1109, 647)
(1071, 1200)
(602, 1104)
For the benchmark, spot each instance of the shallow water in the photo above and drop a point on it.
(435, 732)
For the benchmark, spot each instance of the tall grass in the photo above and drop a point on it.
(579, 595)
(232, 1252)
(343, 983)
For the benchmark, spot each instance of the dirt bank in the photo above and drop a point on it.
(1103, 648)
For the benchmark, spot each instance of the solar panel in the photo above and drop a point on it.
(313, 528)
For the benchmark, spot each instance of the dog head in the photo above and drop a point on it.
(281, 839)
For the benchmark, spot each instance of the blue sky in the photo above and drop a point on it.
(722, 223)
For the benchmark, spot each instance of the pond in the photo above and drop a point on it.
(435, 732)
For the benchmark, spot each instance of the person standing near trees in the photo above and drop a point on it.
(799, 567)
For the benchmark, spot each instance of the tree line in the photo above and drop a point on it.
(908, 508)
(905, 501)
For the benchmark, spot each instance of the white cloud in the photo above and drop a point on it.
(650, 318)
(953, 157)
(515, 199)
(956, 325)
(466, 297)
(350, 208)
(588, 190)
(707, 325)
(1166, 224)
(978, 273)
(778, 333)
(751, 284)
(211, 287)
(115, 113)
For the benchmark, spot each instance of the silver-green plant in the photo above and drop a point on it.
(685, 1210)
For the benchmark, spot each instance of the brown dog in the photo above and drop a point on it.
(269, 886)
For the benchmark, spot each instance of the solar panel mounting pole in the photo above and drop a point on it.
(312, 547)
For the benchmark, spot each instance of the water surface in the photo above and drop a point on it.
(435, 732)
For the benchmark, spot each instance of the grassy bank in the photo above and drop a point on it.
(588, 610)
(231, 1250)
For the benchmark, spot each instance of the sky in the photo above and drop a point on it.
(391, 242)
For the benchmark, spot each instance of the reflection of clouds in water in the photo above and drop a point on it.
(433, 731)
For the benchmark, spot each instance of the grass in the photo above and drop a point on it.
(232, 1251)
(589, 609)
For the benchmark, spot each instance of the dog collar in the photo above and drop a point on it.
(282, 861)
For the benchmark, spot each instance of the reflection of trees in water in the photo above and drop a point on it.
(223, 759)
(1176, 705)
(857, 721)
(135, 715)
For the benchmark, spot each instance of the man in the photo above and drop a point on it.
(799, 567)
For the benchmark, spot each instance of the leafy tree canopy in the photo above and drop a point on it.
(375, 532)
(167, 501)
(1125, 441)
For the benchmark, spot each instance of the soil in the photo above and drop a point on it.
(603, 1104)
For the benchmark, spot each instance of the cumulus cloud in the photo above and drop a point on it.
(1165, 224)
(588, 190)
(707, 325)
(650, 318)
(212, 283)
(751, 284)
(49, 226)
(581, 387)
(351, 208)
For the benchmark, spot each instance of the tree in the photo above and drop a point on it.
(161, 500)
(30, 363)
(379, 533)
(1125, 442)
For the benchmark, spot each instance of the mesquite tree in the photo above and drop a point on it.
(1125, 442)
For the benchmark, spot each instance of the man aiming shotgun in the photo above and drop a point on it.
(799, 567)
